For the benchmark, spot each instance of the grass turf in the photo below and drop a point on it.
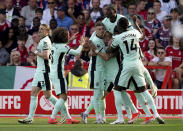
(40, 124)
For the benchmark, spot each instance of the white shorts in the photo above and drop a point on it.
(60, 85)
(132, 73)
(42, 80)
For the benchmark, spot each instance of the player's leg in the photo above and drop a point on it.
(150, 81)
(33, 102)
(32, 106)
(85, 114)
(61, 91)
(60, 102)
(126, 73)
(118, 104)
(98, 92)
(48, 95)
(139, 83)
(102, 107)
(102, 104)
(151, 103)
(128, 102)
(37, 84)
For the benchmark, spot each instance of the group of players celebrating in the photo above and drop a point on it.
(115, 62)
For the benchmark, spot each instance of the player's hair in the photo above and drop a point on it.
(60, 35)
(99, 23)
(111, 7)
(123, 22)
(47, 28)
(107, 32)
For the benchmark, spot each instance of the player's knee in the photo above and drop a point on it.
(35, 91)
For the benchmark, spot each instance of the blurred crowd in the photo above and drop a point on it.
(160, 20)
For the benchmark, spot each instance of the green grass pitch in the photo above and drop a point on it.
(40, 124)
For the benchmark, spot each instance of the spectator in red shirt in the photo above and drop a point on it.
(143, 40)
(151, 52)
(176, 53)
(141, 9)
(36, 39)
(148, 32)
(73, 30)
(89, 21)
(22, 49)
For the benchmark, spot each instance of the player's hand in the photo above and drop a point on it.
(154, 91)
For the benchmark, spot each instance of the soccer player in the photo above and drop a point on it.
(59, 50)
(96, 69)
(110, 74)
(132, 69)
(110, 22)
(112, 19)
(41, 78)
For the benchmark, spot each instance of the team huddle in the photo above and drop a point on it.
(115, 63)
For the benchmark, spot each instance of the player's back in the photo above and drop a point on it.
(43, 64)
(129, 44)
(58, 52)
